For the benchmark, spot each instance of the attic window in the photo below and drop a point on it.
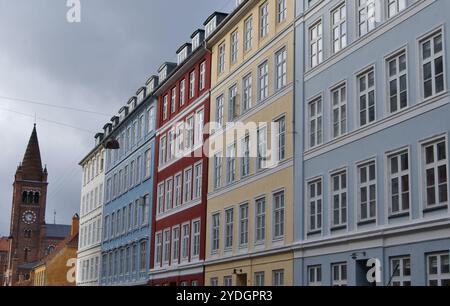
(210, 26)
(182, 55)
(196, 41)
(163, 73)
(141, 96)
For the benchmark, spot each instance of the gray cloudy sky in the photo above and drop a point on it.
(95, 65)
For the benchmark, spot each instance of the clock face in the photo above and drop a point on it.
(29, 217)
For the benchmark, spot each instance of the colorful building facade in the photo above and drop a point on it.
(178, 236)
(91, 209)
(250, 197)
(127, 214)
(371, 177)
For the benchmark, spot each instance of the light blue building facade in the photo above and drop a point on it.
(129, 191)
(372, 151)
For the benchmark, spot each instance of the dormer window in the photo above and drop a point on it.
(163, 74)
(183, 53)
(195, 41)
(210, 26)
(140, 96)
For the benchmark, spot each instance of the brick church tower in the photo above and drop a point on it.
(30, 238)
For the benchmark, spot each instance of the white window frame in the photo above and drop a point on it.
(221, 58)
(247, 88)
(366, 16)
(195, 239)
(281, 68)
(229, 228)
(184, 243)
(340, 193)
(243, 224)
(341, 279)
(365, 93)
(281, 10)
(395, 81)
(339, 27)
(234, 46)
(366, 185)
(231, 163)
(314, 275)
(315, 122)
(394, 7)
(187, 186)
(403, 191)
(432, 60)
(397, 274)
(339, 111)
(202, 79)
(260, 220)
(215, 230)
(278, 215)
(439, 276)
(248, 38)
(264, 20)
(218, 170)
(166, 247)
(435, 166)
(315, 201)
(158, 250)
(178, 187)
(263, 81)
(315, 44)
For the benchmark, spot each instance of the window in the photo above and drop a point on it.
(246, 92)
(161, 198)
(227, 281)
(281, 138)
(162, 152)
(199, 126)
(339, 108)
(315, 205)
(158, 243)
(202, 80)
(150, 119)
(339, 274)
(339, 198)
(316, 44)
(248, 38)
(185, 242)
(260, 230)
(399, 182)
(191, 84)
(366, 94)
(136, 213)
(173, 98)
(145, 209)
(315, 276)
(438, 269)
(229, 228)
(187, 185)
(245, 160)
(264, 20)
(366, 16)
(395, 7)
(243, 225)
(281, 68)
(367, 191)
(231, 163)
(148, 163)
(436, 173)
(219, 110)
(401, 271)
(177, 187)
(397, 83)
(278, 215)
(263, 81)
(259, 279)
(215, 233)
(195, 248)
(221, 59)
(127, 261)
(198, 174)
(166, 247)
(234, 47)
(214, 282)
(143, 256)
(182, 92)
(262, 148)
(130, 216)
(190, 132)
(169, 184)
(165, 107)
(281, 10)
(432, 57)
(315, 123)
(232, 103)
(175, 244)
(278, 278)
(217, 170)
(339, 28)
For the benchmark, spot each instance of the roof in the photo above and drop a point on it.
(27, 266)
(57, 230)
(220, 14)
(70, 241)
(32, 164)
(4, 244)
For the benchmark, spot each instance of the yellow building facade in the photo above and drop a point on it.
(250, 195)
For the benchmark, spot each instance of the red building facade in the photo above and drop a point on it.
(180, 189)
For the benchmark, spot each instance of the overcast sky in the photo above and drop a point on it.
(95, 65)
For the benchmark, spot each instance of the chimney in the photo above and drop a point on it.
(75, 224)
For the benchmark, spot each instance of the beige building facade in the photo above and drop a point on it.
(250, 196)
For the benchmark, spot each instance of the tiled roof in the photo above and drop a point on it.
(57, 230)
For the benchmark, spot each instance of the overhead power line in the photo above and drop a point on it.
(55, 106)
(48, 120)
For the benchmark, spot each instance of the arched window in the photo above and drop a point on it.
(24, 197)
(26, 253)
(30, 197)
(27, 233)
(50, 249)
(36, 198)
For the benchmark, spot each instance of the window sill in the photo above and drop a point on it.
(315, 232)
(367, 222)
(338, 228)
(399, 215)
(435, 208)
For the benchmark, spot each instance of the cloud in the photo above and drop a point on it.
(95, 65)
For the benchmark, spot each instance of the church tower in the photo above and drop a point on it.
(28, 213)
